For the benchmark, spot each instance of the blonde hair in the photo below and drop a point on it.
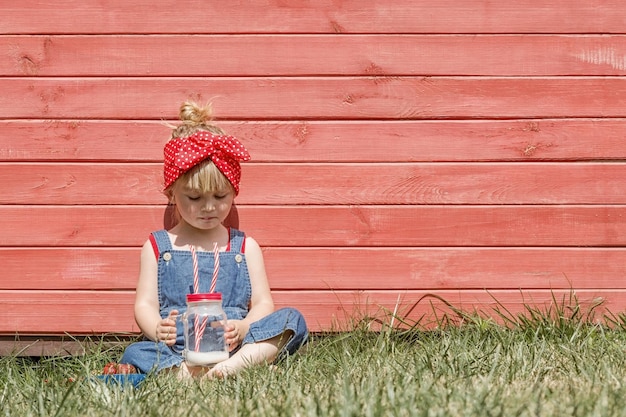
(204, 177)
(194, 118)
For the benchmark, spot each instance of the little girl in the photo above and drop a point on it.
(202, 174)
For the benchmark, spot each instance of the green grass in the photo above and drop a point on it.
(551, 363)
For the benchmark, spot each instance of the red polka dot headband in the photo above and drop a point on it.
(182, 154)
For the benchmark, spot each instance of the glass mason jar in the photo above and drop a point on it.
(204, 324)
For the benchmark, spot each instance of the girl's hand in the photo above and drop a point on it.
(166, 329)
(235, 332)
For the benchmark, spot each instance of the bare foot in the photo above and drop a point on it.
(186, 372)
(225, 368)
(249, 354)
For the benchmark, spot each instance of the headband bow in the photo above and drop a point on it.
(182, 154)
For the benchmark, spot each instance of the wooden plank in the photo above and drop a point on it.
(339, 268)
(310, 141)
(439, 183)
(362, 184)
(70, 268)
(308, 226)
(86, 312)
(347, 16)
(312, 55)
(444, 268)
(71, 183)
(343, 310)
(61, 345)
(75, 312)
(326, 97)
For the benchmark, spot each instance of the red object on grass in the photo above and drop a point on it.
(112, 368)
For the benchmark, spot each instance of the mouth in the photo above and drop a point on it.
(207, 219)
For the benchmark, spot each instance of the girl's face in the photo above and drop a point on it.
(203, 210)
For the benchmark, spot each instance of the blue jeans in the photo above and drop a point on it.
(149, 356)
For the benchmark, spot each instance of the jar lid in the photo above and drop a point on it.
(204, 296)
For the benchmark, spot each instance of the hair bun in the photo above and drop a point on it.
(194, 118)
(192, 114)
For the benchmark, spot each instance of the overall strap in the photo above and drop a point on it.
(237, 240)
(160, 242)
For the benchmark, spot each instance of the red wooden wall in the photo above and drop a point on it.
(471, 149)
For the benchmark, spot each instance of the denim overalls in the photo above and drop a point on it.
(175, 281)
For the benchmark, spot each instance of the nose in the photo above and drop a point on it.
(208, 204)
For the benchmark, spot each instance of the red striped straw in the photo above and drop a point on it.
(196, 278)
(216, 267)
(198, 329)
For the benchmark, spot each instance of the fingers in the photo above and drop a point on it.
(166, 331)
(169, 335)
(172, 316)
(166, 328)
(233, 336)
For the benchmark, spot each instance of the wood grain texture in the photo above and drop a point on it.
(352, 226)
(81, 312)
(345, 16)
(312, 141)
(469, 149)
(313, 55)
(339, 268)
(354, 98)
(361, 184)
